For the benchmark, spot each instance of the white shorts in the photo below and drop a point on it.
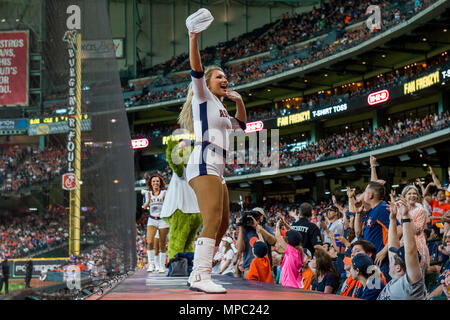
(159, 224)
(211, 163)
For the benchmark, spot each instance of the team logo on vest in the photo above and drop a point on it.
(369, 222)
(223, 113)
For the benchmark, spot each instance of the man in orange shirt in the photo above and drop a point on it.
(440, 206)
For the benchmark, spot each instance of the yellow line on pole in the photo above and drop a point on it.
(77, 161)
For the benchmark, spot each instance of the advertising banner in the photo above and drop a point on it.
(14, 124)
(14, 68)
(19, 266)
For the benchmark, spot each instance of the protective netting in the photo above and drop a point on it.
(34, 209)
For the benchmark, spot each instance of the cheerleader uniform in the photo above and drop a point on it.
(156, 203)
(212, 126)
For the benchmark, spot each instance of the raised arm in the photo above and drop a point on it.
(420, 185)
(435, 178)
(351, 199)
(358, 222)
(340, 208)
(427, 191)
(373, 168)
(279, 237)
(413, 270)
(194, 53)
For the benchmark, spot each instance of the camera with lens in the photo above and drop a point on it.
(246, 218)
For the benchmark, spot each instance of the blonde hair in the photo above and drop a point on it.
(185, 119)
(408, 188)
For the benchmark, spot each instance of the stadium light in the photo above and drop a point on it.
(298, 178)
(404, 157)
(244, 185)
(350, 169)
(430, 150)
(327, 192)
(320, 174)
(395, 186)
(268, 181)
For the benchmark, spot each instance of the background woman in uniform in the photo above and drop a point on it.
(155, 199)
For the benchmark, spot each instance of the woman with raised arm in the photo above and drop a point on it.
(205, 114)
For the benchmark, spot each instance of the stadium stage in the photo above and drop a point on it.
(147, 286)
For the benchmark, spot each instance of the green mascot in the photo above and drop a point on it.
(180, 209)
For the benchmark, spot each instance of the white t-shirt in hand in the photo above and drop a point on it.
(401, 289)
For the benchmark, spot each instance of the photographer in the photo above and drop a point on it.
(250, 223)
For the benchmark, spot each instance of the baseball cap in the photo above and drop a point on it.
(294, 238)
(259, 210)
(332, 207)
(227, 239)
(199, 20)
(362, 261)
(400, 252)
(260, 249)
(307, 252)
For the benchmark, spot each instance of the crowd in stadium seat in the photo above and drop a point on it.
(25, 234)
(21, 167)
(288, 30)
(276, 62)
(342, 145)
(343, 235)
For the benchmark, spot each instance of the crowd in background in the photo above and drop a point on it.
(341, 145)
(22, 167)
(324, 98)
(283, 56)
(338, 145)
(357, 253)
(30, 233)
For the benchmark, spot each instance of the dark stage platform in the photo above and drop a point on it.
(149, 286)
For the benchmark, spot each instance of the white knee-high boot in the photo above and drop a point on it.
(162, 262)
(151, 260)
(156, 263)
(200, 278)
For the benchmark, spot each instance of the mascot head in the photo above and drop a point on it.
(177, 154)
